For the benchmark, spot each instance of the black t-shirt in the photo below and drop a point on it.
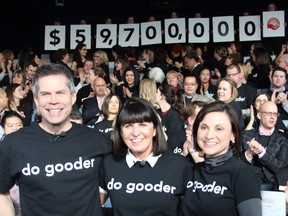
(57, 175)
(105, 127)
(173, 126)
(218, 190)
(145, 190)
(246, 94)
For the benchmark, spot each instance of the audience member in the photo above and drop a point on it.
(130, 86)
(246, 93)
(75, 116)
(110, 108)
(87, 90)
(16, 100)
(206, 86)
(191, 83)
(100, 59)
(79, 57)
(11, 122)
(92, 106)
(253, 123)
(278, 92)
(188, 116)
(147, 91)
(265, 148)
(171, 105)
(227, 93)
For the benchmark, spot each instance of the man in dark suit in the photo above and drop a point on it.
(265, 148)
(92, 106)
(192, 64)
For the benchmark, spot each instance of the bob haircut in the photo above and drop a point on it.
(137, 110)
(219, 107)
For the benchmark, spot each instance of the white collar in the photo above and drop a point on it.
(131, 159)
(264, 132)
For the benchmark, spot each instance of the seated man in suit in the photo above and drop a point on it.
(92, 106)
(265, 148)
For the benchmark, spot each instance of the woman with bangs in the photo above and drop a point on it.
(19, 77)
(142, 177)
(110, 108)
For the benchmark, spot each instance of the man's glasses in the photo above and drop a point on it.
(274, 114)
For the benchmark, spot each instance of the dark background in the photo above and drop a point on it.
(23, 22)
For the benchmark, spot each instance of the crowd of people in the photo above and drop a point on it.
(182, 130)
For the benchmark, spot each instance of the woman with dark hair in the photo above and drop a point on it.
(79, 57)
(117, 77)
(110, 108)
(207, 87)
(16, 99)
(19, 77)
(130, 86)
(141, 177)
(222, 183)
(11, 121)
(171, 105)
(260, 74)
(61, 56)
(23, 53)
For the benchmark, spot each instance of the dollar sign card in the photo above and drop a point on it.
(54, 37)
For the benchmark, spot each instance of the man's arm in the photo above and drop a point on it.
(6, 205)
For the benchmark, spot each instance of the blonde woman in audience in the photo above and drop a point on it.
(100, 59)
(147, 61)
(147, 91)
(247, 70)
(175, 79)
(227, 92)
